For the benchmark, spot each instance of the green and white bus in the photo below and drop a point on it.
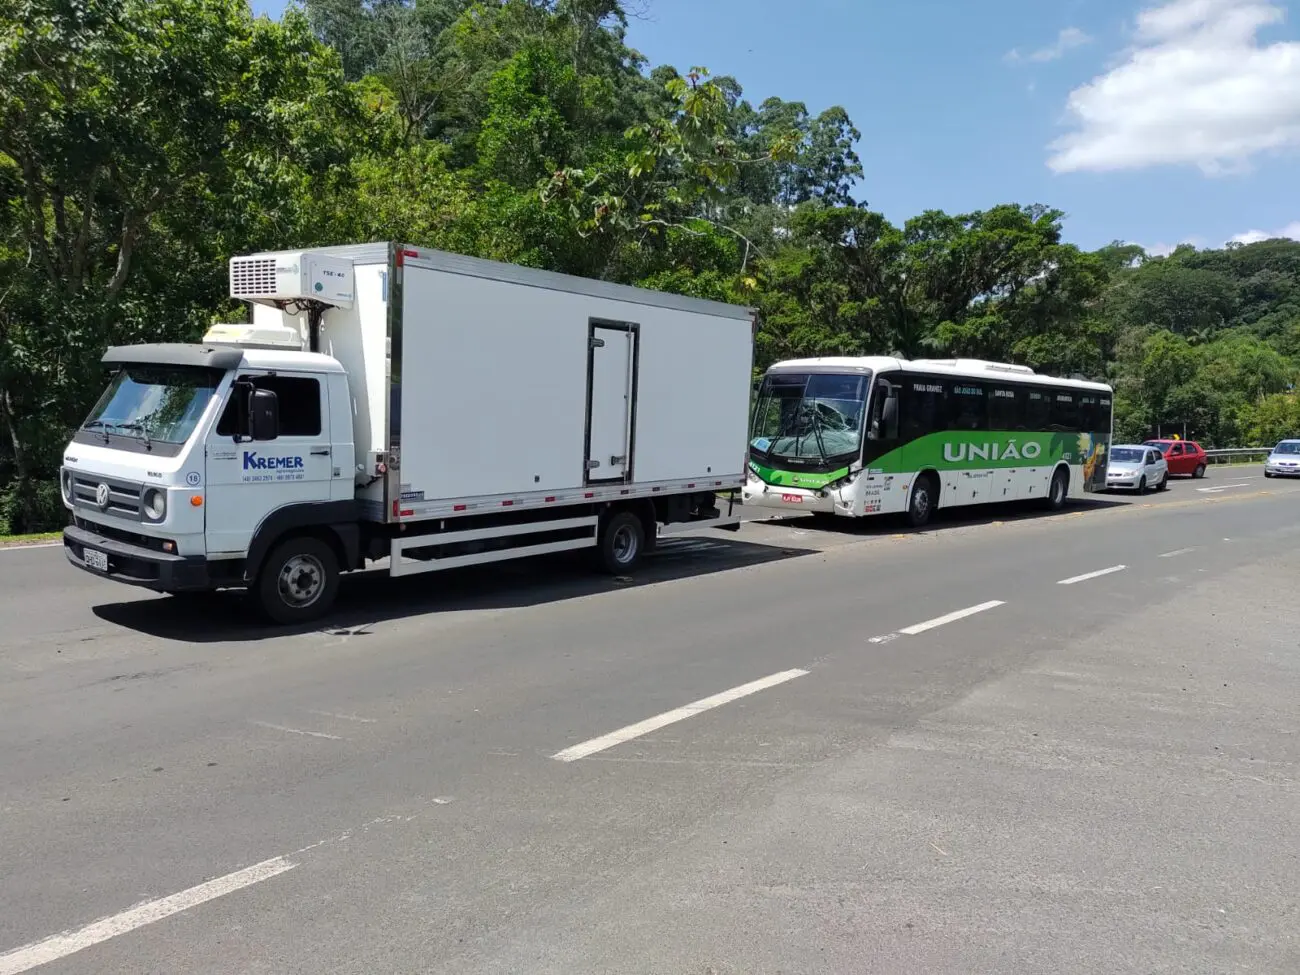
(879, 435)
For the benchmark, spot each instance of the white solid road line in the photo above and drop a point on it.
(594, 745)
(1177, 551)
(69, 942)
(949, 618)
(1091, 575)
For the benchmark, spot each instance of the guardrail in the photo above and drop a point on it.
(1227, 455)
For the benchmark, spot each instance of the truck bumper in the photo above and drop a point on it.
(134, 564)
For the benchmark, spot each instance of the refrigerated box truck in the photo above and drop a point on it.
(391, 402)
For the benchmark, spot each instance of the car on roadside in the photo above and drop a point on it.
(1136, 467)
(1183, 456)
(1283, 460)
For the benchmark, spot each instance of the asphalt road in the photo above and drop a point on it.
(1010, 743)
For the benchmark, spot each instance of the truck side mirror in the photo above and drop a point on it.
(263, 415)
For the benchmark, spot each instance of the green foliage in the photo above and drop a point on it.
(144, 142)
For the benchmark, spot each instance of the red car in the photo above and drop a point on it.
(1183, 456)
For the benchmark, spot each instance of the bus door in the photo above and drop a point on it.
(883, 439)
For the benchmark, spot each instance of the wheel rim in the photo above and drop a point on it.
(921, 502)
(302, 580)
(624, 544)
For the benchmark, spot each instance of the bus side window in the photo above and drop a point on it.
(1091, 414)
(1006, 408)
(1065, 412)
(923, 407)
(967, 409)
(1038, 409)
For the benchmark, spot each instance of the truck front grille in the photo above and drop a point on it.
(120, 497)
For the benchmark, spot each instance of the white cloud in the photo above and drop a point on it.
(1291, 230)
(1197, 88)
(1066, 41)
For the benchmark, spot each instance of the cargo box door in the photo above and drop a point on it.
(611, 400)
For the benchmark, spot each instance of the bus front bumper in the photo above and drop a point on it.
(793, 500)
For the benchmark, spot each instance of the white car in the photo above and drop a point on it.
(1284, 461)
(1136, 467)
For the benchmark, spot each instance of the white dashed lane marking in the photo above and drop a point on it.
(590, 747)
(1091, 575)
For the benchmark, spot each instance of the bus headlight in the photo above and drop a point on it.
(155, 504)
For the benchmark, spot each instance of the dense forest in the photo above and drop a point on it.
(143, 142)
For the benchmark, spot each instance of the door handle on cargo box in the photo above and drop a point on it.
(321, 452)
(615, 461)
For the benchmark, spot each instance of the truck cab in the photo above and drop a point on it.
(198, 457)
(171, 478)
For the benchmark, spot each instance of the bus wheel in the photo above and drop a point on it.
(1056, 493)
(921, 505)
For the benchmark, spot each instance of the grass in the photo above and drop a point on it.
(29, 539)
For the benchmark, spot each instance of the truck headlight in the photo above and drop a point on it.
(155, 504)
(65, 485)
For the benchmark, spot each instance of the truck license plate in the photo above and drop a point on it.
(96, 560)
(792, 498)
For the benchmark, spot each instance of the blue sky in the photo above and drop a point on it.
(1155, 122)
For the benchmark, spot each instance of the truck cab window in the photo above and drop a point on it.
(300, 406)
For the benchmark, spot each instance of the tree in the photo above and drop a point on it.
(136, 135)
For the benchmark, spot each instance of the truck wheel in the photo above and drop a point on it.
(299, 581)
(921, 504)
(622, 543)
(1057, 491)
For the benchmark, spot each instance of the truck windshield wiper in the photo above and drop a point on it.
(94, 424)
(142, 425)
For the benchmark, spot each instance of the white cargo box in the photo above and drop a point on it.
(478, 384)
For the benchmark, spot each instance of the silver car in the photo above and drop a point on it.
(1136, 467)
(1284, 461)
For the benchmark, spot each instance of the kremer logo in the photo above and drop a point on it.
(254, 463)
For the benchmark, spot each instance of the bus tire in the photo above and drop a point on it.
(299, 581)
(1057, 491)
(621, 544)
(923, 501)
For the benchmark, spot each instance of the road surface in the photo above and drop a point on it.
(1010, 743)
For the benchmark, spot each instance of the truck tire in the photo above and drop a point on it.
(299, 581)
(621, 544)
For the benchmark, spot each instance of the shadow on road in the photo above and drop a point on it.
(944, 518)
(372, 597)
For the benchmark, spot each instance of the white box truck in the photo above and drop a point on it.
(392, 402)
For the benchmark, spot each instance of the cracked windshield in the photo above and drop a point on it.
(809, 417)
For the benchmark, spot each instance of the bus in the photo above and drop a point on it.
(878, 435)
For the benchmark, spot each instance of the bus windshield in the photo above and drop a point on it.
(812, 418)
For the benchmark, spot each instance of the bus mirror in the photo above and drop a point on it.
(890, 415)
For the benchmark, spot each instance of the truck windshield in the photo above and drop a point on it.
(813, 418)
(153, 403)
